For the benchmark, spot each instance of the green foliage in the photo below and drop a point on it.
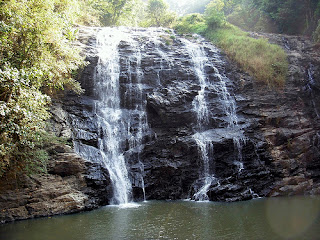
(36, 60)
(230, 6)
(291, 16)
(158, 14)
(156, 9)
(22, 109)
(287, 16)
(316, 34)
(82, 12)
(266, 62)
(214, 14)
(252, 19)
(110, 11)
(35, 39)
(191, 23)
(30, 159)
(135, 16)
(31, 162)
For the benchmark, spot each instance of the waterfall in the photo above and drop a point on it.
(310, 83)
(229, 106)
(164, 59)
(137, 67)
(120, 128)
(120, 106)
(207, 178)
(199, 103)
(203, 136)
(135, 137)
(153, 36)
(110, 116)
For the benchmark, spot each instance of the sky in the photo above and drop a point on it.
(187, 6)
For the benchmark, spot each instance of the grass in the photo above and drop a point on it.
(168, 39)
(266, 62)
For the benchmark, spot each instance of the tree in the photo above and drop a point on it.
(230, 6)
(287, 16)
(112, 10)
(36, 59)
(291, 16)
(135, 16)
(214, 14)
(158, 14)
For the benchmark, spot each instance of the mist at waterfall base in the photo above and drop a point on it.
(277, 218)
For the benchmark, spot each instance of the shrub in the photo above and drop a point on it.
(266, 62)
(214, 14)
(316, 33)
(191, 23)
(36, 60)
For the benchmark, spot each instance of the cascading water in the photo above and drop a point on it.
(136, 65)
(110, 115)
(135, 137)
(117, 125)
(199, 59)
(165, 62)
(203, 135)
(120, 108)
(310, 83)
(229, 106)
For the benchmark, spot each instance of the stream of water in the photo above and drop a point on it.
(199, 59)
(200, 62)
(276, 219)
(117, 124)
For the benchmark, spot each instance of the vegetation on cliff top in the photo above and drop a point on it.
(299, 17)
(266, 62)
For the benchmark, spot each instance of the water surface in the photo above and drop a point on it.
(277, 218)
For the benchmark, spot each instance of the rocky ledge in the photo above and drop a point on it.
(289, 117)
(71, 185)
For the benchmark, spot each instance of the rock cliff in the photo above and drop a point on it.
(170, 155)
(280, 154)
(289, 117)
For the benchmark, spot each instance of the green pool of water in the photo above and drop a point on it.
(276, 218)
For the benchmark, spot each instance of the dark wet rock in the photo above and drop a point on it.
(279, 125)
(289, 117)
(171, 166)
(66, 164)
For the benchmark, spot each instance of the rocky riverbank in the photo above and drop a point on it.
(71, 185)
